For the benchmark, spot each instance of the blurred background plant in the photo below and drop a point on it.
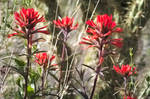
(132, 15)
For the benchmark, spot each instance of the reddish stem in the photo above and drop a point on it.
(94, 86)
(28, 64)
(43, 80)
(62, 57)
(97, 69)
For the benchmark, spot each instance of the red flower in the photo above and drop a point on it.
(128, 97)
(99, 35)
(65, 24)
(126, 70)
(27, 19)
(102, 29)
(104, 26)
(43, 59)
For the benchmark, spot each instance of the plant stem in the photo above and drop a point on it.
(125, 85)
(28, 63)
(94, 86)
(43, 80)
(97, 69)
(62, 57)
(95, 81)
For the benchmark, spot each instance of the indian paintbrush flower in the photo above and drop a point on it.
(125, 70)
(99, 34)
(100, 37)
(102, 29)
(27, 19)
(66, 24)
(43, 59)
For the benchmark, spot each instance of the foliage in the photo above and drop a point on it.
(55, 65)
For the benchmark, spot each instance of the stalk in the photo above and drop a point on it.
(28, 63)
(43, 80)
(62, 58)
(95, 81)
(63, 52)
(94, 86)
(125, 85)
(97, 70)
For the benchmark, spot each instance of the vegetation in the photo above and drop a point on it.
(80, 49)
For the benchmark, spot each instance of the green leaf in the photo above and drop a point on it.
(20, 62)
(34, 76)
(30, 90)
(18, 81)
(34, 48)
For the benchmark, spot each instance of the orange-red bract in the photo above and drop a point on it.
(102, 29)
(125, 70)
(43, 59)
(27, 19)
(66, 24)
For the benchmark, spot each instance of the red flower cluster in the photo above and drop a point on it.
(65, 24)
(43, 59)
(99, 35)
(128, 97)
(126, 70)
(27, 19)
(102, 29)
